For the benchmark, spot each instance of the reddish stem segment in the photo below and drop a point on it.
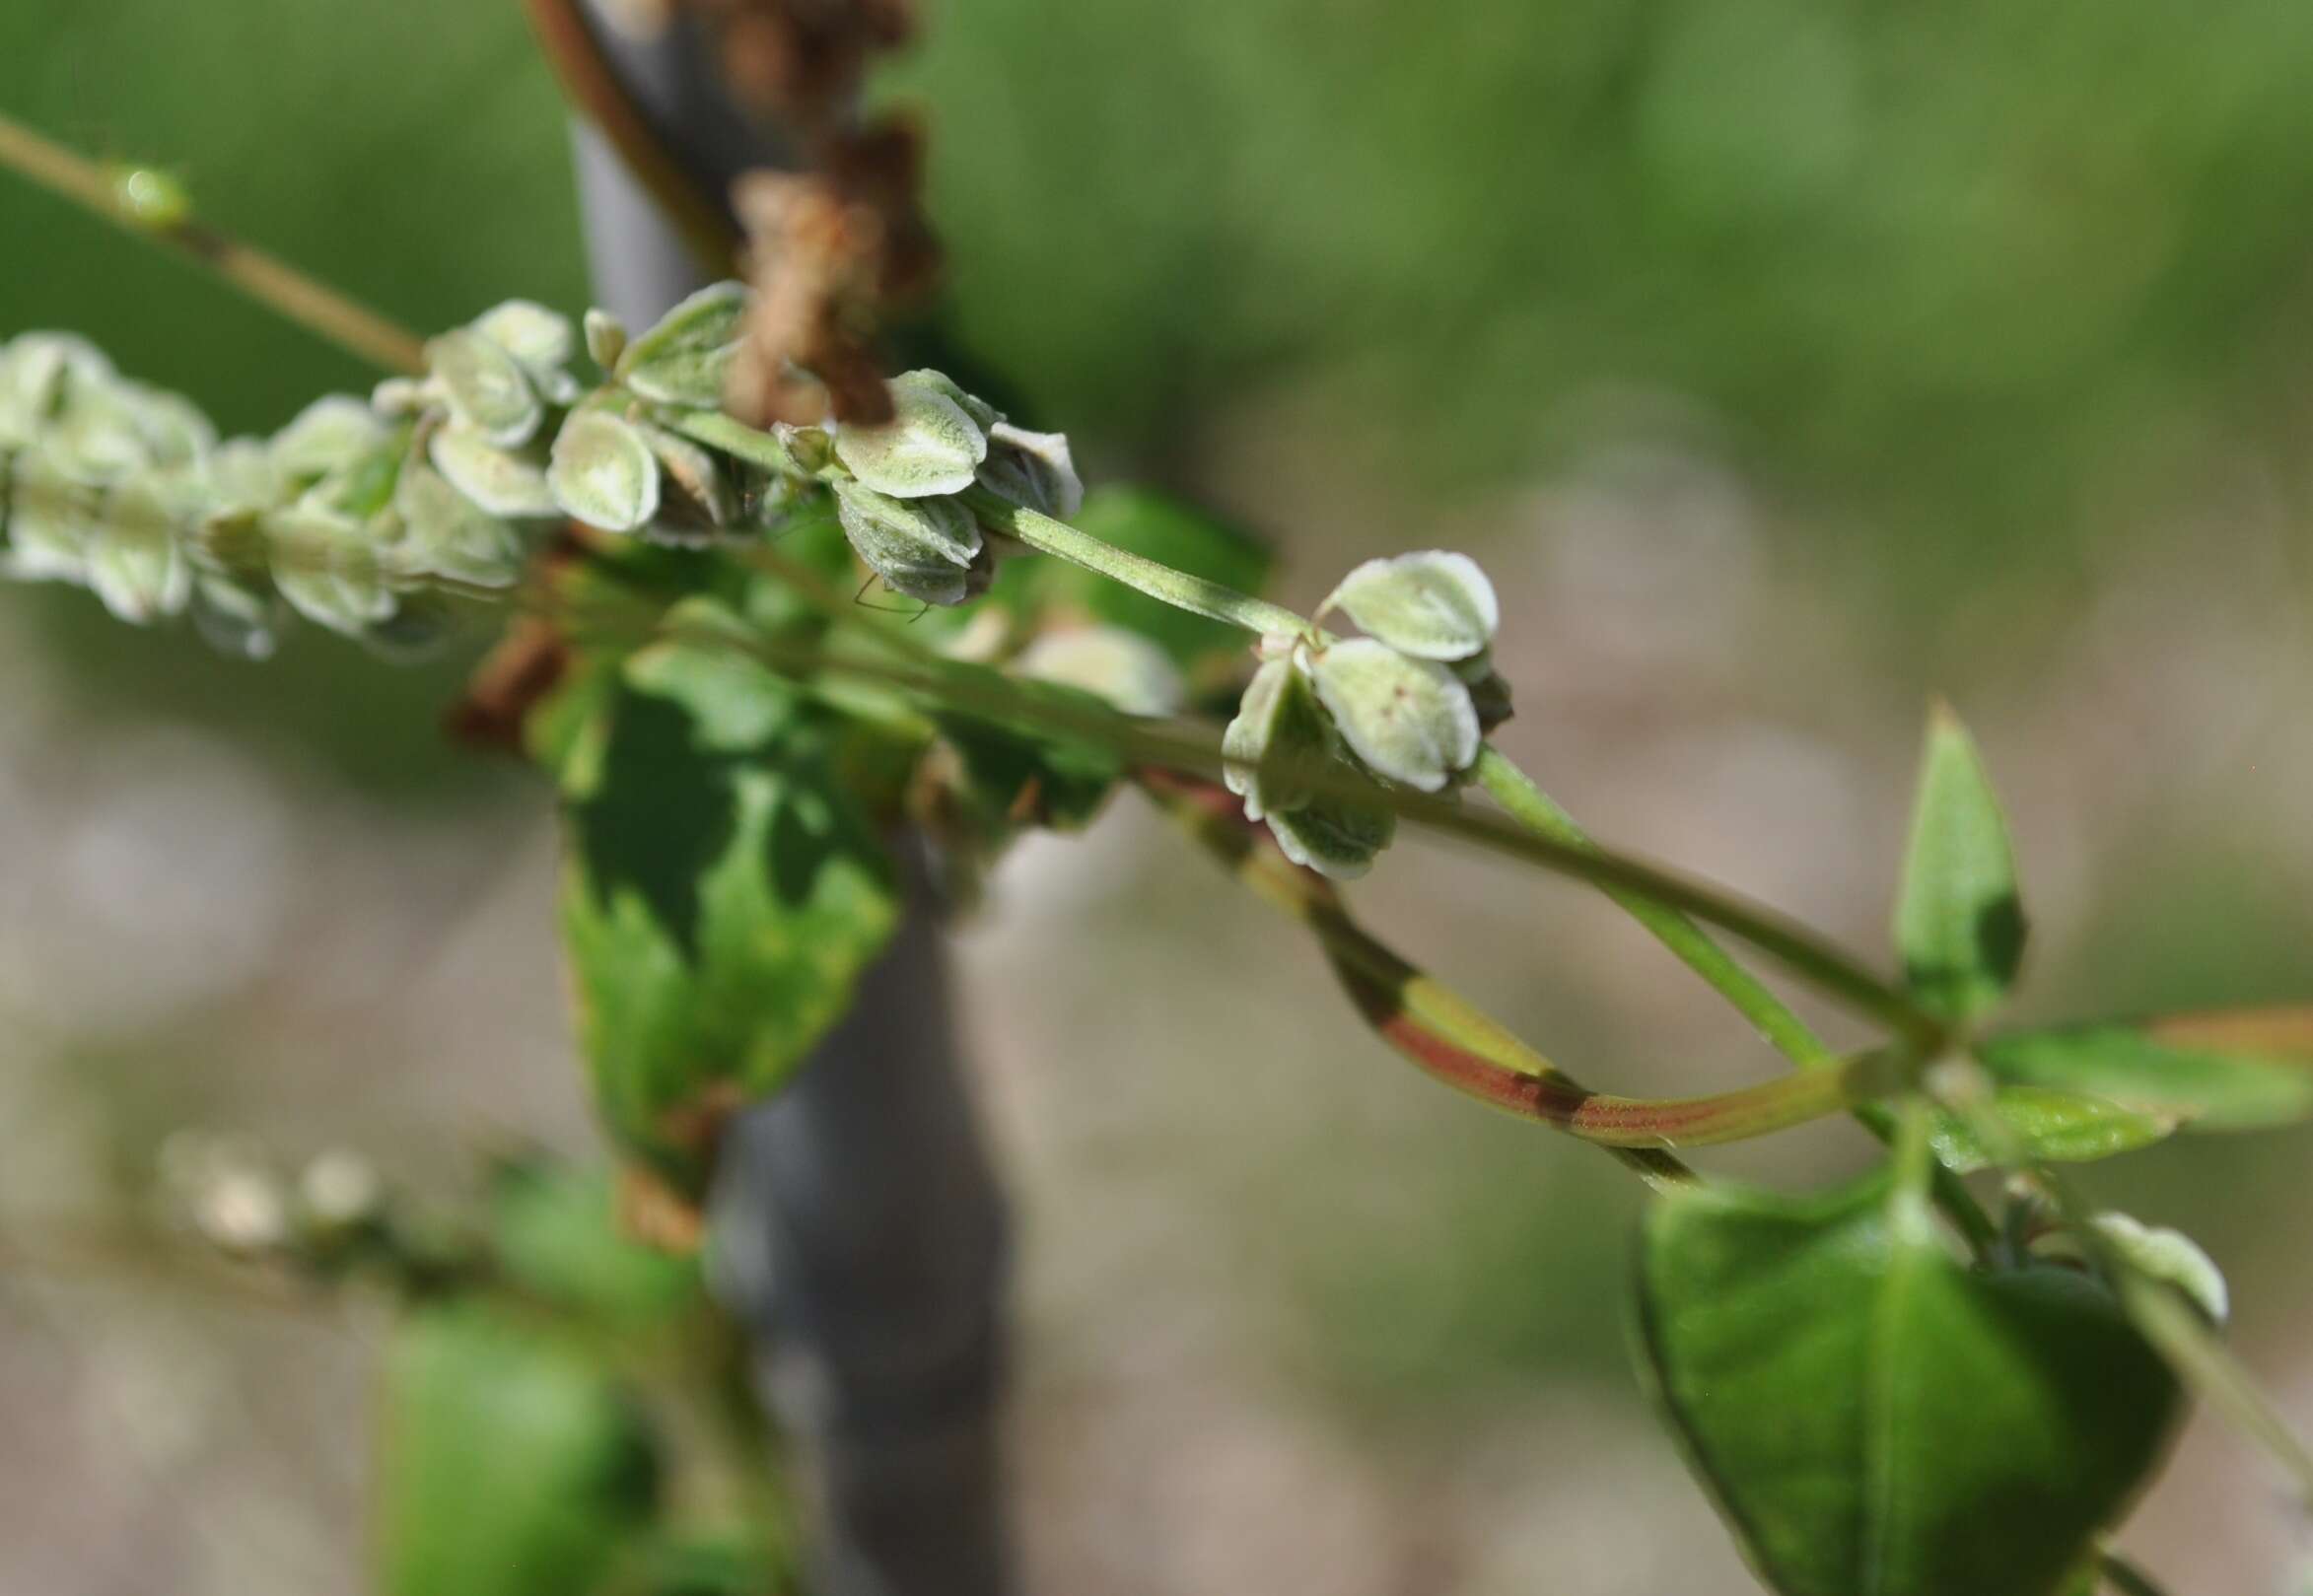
(1450, 1040)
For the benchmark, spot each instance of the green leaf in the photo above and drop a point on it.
(1411, 720)
(1877, 1419)
(556, 1229)
(2216, 1072)
(1432, 604)
(603, 472)
(930, 446)
(1172, 533)
(1015, 774)
(512, 1464)
(719, 903)
(2062, 1126)
(1959, 921)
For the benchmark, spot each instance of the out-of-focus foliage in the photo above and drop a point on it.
(412, 154)
(1951, 263)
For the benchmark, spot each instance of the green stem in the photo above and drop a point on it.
(1524, 801)
(741, 442)
(1159, 581)
(2125, 1576)
(273, 283)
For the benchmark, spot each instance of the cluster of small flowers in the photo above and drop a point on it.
(242, 1205)
(899, 494)
(127, 490)
(1409, 703)
(356, 514)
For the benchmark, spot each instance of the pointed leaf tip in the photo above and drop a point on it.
(1959, 924)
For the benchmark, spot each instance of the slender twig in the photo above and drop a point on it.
(1454, 1040)
(2124, 1576)
(1178, 589)
(281, 287)
(1524, 801)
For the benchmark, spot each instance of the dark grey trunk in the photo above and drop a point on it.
(859, 1227)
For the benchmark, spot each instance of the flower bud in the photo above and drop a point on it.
(1411, 720)
(1032, 470)
(605, 338)
(1279, 742)
(930, 446)
(502, 482)
(445, 533)
(486, 389)
(1430, 605)
(541, 342)
(1338, 838)
(603, 472)
(686, 358)
(920, 547)
(328, 434)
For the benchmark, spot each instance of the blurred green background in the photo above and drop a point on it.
(1785, 362)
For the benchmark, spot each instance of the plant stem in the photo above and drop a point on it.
(1454, 1041)
(1828, 968)
(741, 442)
(1524, 801)
(2125, 1576)
(1159, 581)
(271, 282)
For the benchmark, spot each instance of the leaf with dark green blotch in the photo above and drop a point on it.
(1015, 774)
(2217, 1073)
(735, 701)
(2062, 1126)
(662, 815)
(1179, 535)
(717, 907)
(1876, 1418)
(1960, 920)
(513, 1464)
(556, 1233)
